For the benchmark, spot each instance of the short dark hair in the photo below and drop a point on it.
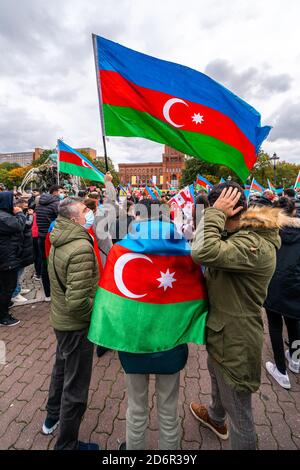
(81, 193)
(53, 188)
(290, 192)
(216, 192)
(286, 204)
(90, 203)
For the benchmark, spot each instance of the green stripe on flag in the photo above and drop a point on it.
(127, 122)
(87, 173)
(116, 323)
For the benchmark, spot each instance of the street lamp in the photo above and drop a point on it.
(274, 159)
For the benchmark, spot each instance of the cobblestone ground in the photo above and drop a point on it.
(24, 382)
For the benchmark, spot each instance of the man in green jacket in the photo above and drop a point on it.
(238, 249)
(73, 273)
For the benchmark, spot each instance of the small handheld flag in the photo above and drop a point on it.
(297, 183)
(203, 183)
(256, 187)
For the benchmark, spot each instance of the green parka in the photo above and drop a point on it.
(77, 272)
(239, 269)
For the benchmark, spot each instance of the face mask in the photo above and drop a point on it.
(61, 196)
(89, 219)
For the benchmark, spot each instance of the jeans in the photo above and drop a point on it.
(37, 259)
(45, 276)
(8, 281)
(275, 329)
(167, 390)
(69, 386)
(237, 405)
(19, 282)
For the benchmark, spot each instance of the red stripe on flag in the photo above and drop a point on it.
(117, 91)
(140, 276)
(69, 157)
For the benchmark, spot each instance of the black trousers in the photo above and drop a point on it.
(37, 257)
(69, 386)
(275, 329)
(45, 276)
(8, 282)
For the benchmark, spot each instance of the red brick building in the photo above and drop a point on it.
(168, 171)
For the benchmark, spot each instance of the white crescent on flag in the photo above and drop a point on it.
(118, 274)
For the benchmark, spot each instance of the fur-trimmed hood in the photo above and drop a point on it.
(262, 218)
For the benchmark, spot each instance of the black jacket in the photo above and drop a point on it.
(284, 289)
(46, 212)
(166, 362)
(11, 233)
(26, 255)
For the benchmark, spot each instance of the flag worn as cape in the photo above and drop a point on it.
(143, 96)
(151, 296)
(74, 163)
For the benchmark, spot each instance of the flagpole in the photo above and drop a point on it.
(295, 185)
(94, 39)
(58, 158)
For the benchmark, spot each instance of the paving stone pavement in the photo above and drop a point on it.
(24, 382)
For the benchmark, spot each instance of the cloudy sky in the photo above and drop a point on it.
(47, 76)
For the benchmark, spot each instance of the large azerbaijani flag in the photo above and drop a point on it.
(151, 296)
(74, 163)
(143, 96)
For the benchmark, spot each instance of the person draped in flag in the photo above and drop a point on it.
(239, 267)
(150, 303)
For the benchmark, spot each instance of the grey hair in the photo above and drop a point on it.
(68, 207)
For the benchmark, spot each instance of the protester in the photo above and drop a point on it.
(12, 224)
(26, 252)
(32, 199)
(137, 330)
(46, 212)
(73, 272)
(291, 194)
(283, 301)
(266, 198)
(239, 252)
(37, 258)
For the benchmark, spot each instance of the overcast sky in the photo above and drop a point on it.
(47, 76)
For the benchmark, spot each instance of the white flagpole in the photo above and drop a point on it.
(296, 180)
(58, 158)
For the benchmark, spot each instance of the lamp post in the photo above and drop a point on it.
(275, 158)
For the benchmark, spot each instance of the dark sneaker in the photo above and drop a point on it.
(88, 446)
(50, 425)
(122, 446)
(201, 414)
(9, 321)
(100, 350)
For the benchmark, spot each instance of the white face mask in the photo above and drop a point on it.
(89, 219)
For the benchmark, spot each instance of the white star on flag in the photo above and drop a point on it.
(166, 279)
(197, 118)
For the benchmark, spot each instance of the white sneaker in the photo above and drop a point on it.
(19, 298)
(25, 291)
(294, 366)
(282, 379)
(47, 299)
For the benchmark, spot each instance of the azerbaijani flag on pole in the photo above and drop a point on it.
(168, 103)
(297, 184)
(203, 183)
(151, 296)
(271, 186)
(74, 163)
(150, 193)
(256, 187)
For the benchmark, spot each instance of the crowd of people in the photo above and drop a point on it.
(249, 253)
